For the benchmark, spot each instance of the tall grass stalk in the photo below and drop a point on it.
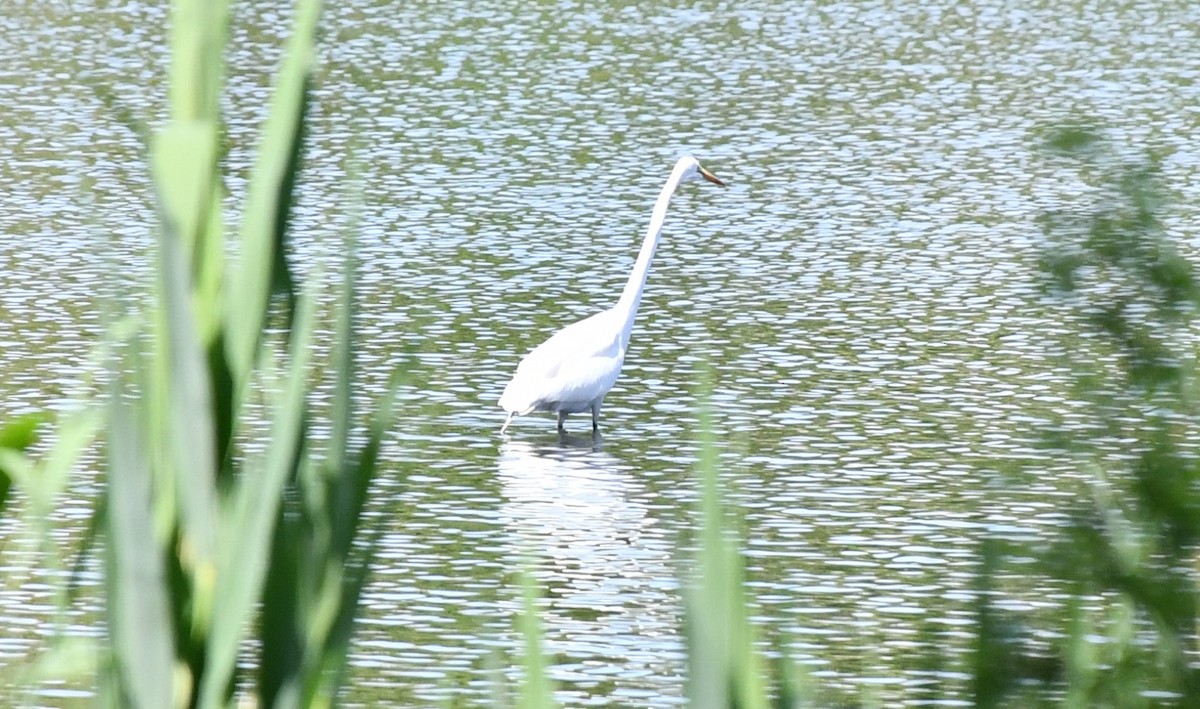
(207, 546)
(537, 690)
(724, 670)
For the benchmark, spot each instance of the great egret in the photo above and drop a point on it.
(572, 371)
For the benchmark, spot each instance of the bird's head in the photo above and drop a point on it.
(692, 169)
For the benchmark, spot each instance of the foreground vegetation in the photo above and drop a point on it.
(207, 544)
(1127, 635)
(220, 557)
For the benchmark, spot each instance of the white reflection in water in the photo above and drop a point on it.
(600, 560)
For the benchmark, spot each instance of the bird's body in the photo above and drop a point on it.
(573, 370)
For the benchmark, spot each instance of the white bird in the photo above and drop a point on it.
(572, 371)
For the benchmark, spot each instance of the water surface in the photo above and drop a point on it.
(864, 292)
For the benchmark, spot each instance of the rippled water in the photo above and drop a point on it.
(864, 291)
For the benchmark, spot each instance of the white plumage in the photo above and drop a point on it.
(572, 371)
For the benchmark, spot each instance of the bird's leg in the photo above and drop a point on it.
(595, 418)
(507, 421)
(562, 416)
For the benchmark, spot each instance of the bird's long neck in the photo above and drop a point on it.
(631, 297)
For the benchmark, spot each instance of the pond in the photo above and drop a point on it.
(864, 296)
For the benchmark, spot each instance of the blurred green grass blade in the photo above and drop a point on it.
(185, 162)
(724, 669)
(77, 431)
(343, 397)
(793, 690)
(42, 481)
(185, 154)
(348, 504)
(186, 413)
(245, 540)
(707, 606)
(306, 632)
(269, 195)
(15, 437)
(198, 33)
(184, 157)
(327, 675)
(140, 626)
(22, 432)
(1080, 656)
(97, 522)
(993, 669)
(348, 498)
(537, 690)
(68, 661)
(280, 631)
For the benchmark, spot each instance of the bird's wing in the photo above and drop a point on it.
(579, 363)
(582, 380)
(595, 336)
